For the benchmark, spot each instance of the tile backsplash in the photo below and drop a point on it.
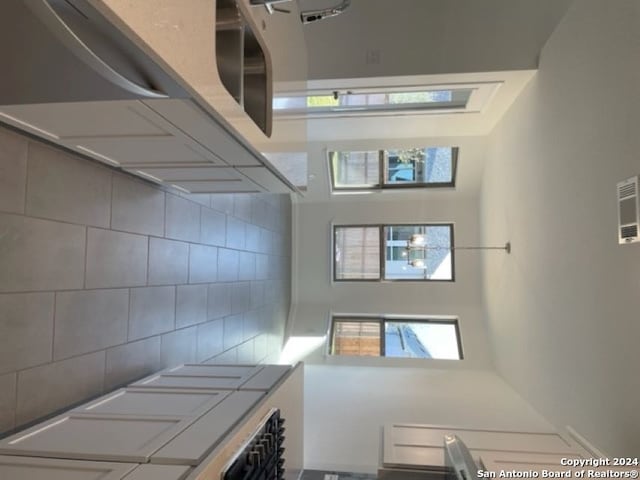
(105, 278)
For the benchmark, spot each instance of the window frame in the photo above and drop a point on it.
(382, 319)
(383, 158)
(383, 251)
(481, 94)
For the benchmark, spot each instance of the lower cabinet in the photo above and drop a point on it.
(176, 417)
(422, 446)
(33, 468)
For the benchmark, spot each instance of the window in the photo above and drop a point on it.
(324, 100)
(372, 101)
(392, 169)
(386, 252)
(396, 337)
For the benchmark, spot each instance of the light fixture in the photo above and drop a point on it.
(29, 126)
(99, 156)
(417, 243)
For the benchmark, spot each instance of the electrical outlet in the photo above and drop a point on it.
(373, 57)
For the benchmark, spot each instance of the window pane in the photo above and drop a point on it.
(356, 338)
(421, 340)
(419, 165)
(373, 101)
(355, 169)
(322, 101)
(433, 261)
(357, 253)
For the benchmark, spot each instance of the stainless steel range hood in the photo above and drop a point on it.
(65, 51)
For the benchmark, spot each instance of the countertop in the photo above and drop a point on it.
(180, 36)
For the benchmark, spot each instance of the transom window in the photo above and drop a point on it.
(372, 101)
(391, 169)
(387, 252)
(325, 99)
(396, 337)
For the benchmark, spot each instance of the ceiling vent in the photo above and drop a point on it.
(628, 211)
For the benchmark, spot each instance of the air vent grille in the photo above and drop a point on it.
(628, 190)
(629, 231)
(628, 211)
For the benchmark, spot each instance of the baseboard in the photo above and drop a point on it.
(586, 444)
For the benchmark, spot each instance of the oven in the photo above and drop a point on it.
(261, 456)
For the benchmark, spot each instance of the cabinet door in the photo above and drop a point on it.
(188, 117)
(120, 133)
(267, 378)
(135, 401)
(200, 179)
(423, 445)
(262, 176)
(31, 468)
(197, 441)
(217, 377)
(117, 438)
(159, 472)
(86, 119)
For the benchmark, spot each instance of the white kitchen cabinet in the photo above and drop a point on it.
(119, 438)
(267, 378)
(88, 119)
(192, 445)
(170, 141)
(413, 445)
(200, 179)
(263, 177)
(220, 377)
(138, 151)
(31, 468)
(125, 133)
(34, 468)
(159, 472)
(137, 401)
(187, 116)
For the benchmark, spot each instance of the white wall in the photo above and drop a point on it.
(345, 408)
(316, 297)
(563, 307)
(416, 37)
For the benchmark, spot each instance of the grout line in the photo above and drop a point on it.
(129, 317)
(164, 231)
(104, 370)
(175, 308)
(189, 265)
(127, 232)
(53, 326)
(200, 224)
(148, 260)
(15, 407)
(86, 257)
(111, 203)
(128, 314)
(26, 176)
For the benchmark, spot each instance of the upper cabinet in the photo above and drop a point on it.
(171, 142)
(96, 80)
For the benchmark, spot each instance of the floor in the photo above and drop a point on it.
(106, 278)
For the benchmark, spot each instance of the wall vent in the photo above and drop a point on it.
(628, 210)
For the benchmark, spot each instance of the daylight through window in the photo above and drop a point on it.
(380, 252)
(400, 338)
(394, 168)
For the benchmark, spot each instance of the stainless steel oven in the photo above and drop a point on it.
(261, 456)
